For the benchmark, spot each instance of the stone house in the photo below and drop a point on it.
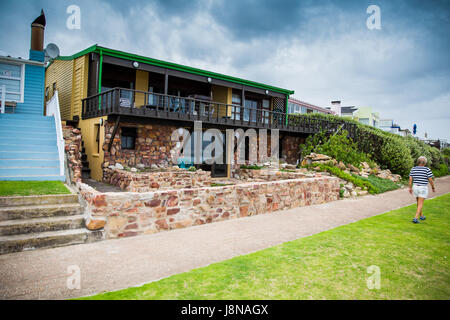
(127, 106)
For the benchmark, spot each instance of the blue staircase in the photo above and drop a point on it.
(28, 147)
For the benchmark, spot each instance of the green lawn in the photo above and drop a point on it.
(29, 188)
(413, 260)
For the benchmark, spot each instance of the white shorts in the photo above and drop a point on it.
(420, 191)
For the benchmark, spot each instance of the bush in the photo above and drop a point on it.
(442, 171)
(338, 146)
(356, 180)
(251, 167)
(389, 150)
(396, 156)
(381, 184)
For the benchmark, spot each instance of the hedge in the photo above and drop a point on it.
(389, 150)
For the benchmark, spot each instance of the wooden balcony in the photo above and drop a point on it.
(135, 103)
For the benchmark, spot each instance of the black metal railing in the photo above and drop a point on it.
(121, 101)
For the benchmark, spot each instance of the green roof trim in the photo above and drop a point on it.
(173, 66)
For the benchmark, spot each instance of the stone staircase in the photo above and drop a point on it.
(32, 222)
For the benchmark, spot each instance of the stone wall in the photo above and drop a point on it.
(272, 175)
(130, 214)
(152, 181)
(72, 141)
(153, 145)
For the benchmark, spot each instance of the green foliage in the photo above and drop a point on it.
(387, 149)
(251, 167)
(192, 169)
(356, 180)
(396, 156)
(446, 153)
(338, 146)
(381, 184)
(442, 171)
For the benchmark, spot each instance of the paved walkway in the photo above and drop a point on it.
(117, 264)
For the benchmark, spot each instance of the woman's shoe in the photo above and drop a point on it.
(422, 218)
(415, 220)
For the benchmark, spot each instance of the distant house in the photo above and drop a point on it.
(296, 106)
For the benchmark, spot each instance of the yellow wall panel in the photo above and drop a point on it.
(94, 156)
(223, 95)
(141, 85)
(80, 83)
(60, 73)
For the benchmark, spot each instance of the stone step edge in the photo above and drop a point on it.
(18, 222)
(10, 201)
(43, 235)
(40, 207)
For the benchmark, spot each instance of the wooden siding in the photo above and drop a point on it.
(141, 85)
(33, 99)
(79, 83)
(223, 95)
(60, 72)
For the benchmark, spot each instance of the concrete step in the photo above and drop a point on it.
(8, 147)
(20, 171)
(25, 155)
(31, 241)
(38, 200)
(18, 127)
(28, 163)
(49, 177)
(41, 211)
(6, 134)
(25, 226)
(13, 139)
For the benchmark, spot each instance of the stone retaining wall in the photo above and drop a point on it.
(153, 181)
(72, 141)
(271, 175)
(130, 214)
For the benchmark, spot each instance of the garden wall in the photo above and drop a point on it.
(130, 214)
(153, 181)
(72, 141)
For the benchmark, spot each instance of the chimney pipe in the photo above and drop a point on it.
(37, 33)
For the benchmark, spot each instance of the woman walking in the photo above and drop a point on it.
(418, 183)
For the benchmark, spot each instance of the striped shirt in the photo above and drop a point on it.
(420, 175)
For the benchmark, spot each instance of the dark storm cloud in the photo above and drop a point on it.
(320, 48)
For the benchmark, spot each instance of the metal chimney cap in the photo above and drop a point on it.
(41, 19)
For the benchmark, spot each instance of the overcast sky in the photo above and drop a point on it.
(321, 49)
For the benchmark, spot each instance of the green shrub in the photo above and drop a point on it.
(338, 146)
(192, 169)
(251, 167)
(387, 149)
(356, 180)
(381, 184)
(441, 172)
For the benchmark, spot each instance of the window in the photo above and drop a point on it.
(250, 110)
(236, 110)
(265, 111)
(12, 76)
(364, 120)
(128, 138)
